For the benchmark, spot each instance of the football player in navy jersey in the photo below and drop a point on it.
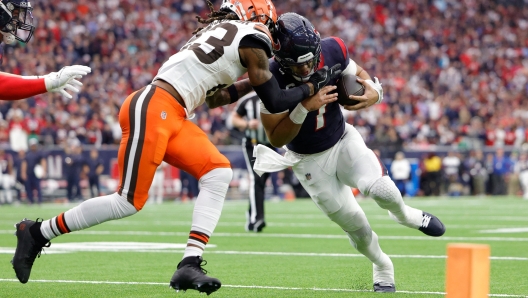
(327, 155)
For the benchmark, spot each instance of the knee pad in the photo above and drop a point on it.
(217, 180)
(350, 217)
(121, 207)
(384, 192)
(361, 238)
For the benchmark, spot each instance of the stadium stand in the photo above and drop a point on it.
(454, 72)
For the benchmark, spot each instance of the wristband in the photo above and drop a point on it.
(233, 93)
(298, 114)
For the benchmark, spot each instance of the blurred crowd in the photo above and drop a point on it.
(454, 72)
(455, 174)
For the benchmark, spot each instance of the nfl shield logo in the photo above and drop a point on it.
(163, 115)
(308, 176)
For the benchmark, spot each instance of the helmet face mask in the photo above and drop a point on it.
(16, 18)
(300, 46)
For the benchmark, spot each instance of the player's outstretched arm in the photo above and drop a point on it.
(229, 95)
(13, 87)
(66, 78)
(282, 128)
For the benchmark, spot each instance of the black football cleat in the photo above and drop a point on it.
(431, 225)
(27, 250)
(383, 287)
(191, 275)
(256, 227)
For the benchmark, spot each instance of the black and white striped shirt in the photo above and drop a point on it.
(249, 107)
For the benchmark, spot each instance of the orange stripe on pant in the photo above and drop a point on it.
(155, 129)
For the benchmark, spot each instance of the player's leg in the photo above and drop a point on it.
(257, 185)
(135, 160)
(191, 151)
(8, 183)
(39, 189)
(359, 167)
(338, 203)
(160, 176)
(29, 190)
(3, 199)
(523, 178)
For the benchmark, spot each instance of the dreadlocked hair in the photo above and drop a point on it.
(214, 15)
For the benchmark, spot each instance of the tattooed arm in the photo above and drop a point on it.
(222, 96)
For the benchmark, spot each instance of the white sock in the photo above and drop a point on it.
(207, 209)
(366, 242)
(87, 214)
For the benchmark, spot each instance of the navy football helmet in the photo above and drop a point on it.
(16, 20)
(300, 46)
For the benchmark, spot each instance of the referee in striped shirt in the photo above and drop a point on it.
(246, 117)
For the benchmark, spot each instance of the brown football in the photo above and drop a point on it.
(347, 85)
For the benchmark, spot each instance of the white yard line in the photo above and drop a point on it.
(239, 286)
(310, 236)
(140, 247)
(505, 230)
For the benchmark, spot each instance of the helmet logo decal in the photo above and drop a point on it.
(306, 57)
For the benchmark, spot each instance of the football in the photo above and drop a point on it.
(346, 86)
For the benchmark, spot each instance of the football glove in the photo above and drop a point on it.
(376, 85)
(322, 76)
(66, 78)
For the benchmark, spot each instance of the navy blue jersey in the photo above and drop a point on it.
(321, 129)
(93, 164)
(33, 158)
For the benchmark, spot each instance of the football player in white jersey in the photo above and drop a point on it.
(155, 126)
(16, 24)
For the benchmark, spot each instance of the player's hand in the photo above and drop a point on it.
(322, 76)
(66, 78)
(253, 124)
(369, 98)
(315, 102)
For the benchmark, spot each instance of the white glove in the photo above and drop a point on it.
(66, 78)
(376, 85)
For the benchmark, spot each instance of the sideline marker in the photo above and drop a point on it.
(468, 270)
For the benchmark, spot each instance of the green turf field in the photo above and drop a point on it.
(300, 253)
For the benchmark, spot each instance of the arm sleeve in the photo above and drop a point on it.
(18, 87)
(277, 100)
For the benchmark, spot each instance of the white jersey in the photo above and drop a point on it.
(210, 60)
